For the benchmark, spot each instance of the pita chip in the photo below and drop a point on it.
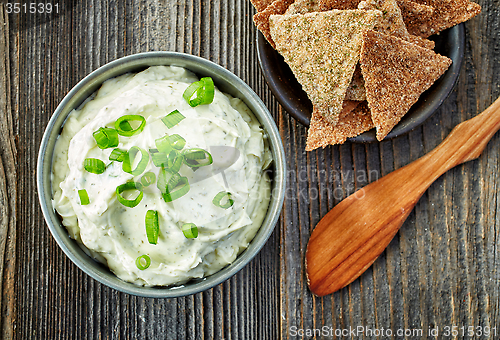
(303, 7)
(392, 21)
(322, 50)
(261, 5)
(327, 5)
(396, 73)
(354, 120)
(356, 89)
(447, 13)
(261, 19)
(413, 14)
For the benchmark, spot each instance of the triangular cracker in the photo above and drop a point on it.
(322, 50)
(392, 21)
(356, 89)
(354, 120)
(413, 14)
(261, 19)
(327, 5)
(303, 7)
(261, 5)
(396, 73)
(447, 13)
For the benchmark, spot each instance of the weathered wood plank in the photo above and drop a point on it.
(8, 187)
(441, 269)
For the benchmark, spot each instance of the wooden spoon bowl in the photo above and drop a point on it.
(355, 232)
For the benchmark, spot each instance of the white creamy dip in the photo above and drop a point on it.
(115, 234)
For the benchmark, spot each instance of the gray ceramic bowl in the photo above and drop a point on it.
(226, 82)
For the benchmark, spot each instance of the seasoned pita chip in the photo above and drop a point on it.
(356, 89)
(354, 120)
(392, 21)
(261, 5)
(327, 5)
(303, 7)
(422, 42)
(322, 50)
(396, 73)
(413, 14)
(447, 13)
(261, 19)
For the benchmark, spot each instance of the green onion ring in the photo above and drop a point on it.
(220, 196)
(204, 90)
(152, 226)
(172, 119)
(139, 262)
(159, 158)
(129, 186)
(190, 230)
(106, 138)
(174, 161)
(177, 142)
(128, 159)
(163, 144)
(179, 189)
(194, 155)
(94, 165)
(84, 197)
(125, 126)
(148, 178)
(120, 125)
(209, 87)
(117, 155)
(167, 178)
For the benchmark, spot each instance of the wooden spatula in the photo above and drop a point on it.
(356, 231)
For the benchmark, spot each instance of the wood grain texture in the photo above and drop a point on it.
(8, 187)
(441, 269)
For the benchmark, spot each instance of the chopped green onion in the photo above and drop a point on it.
(167, 178)
(143, 262)
(123, 129)
(152, 226)
(159, 158)
(163, 144)
(174, 161)
(204, 90)
(94, 165)
(192, 157)
(117, 155)
(177, 142)
(190, 230)
(128, 160)
(106, 138)
(174, 192)
(221, 196)
(172, 185)
(126, 187)
(172, 119)
(84, 197)
(148, 178)
(125, 126)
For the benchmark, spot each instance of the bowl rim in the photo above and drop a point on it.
(81, 91)
(429, 103)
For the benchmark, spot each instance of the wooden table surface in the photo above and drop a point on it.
(441, 270)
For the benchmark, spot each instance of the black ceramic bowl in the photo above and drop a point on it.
(289, 93)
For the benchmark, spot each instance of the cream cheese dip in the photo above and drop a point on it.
(115, 234)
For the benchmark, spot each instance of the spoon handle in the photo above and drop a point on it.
(465, 142)
(355, 232)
